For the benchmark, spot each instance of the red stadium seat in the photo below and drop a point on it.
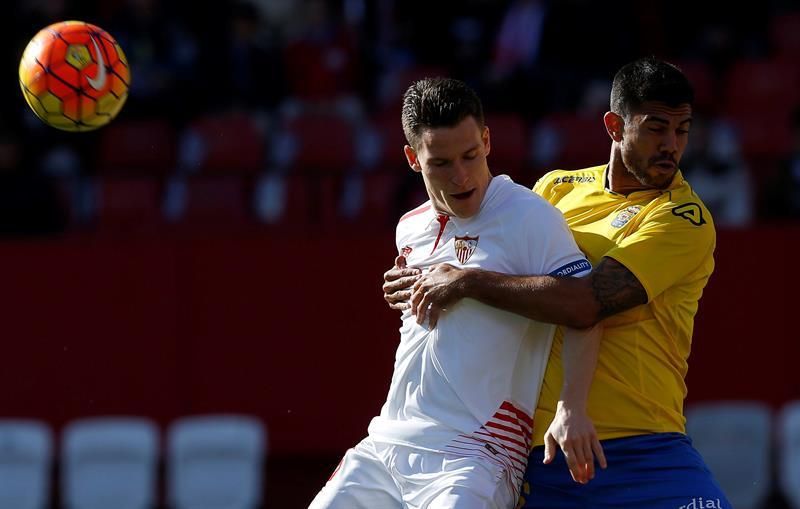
(137, 147)
(390, 130)
(510, 144)
(581, 141)
(764, 134)
(398, 81)
(380, 191)
(217, 201)
(298, 205)
(362, 202)
(129, 203)
(321, 71)
(785, 35)
(759, 85)
(231, 143)
(324, 143)
(702, 80)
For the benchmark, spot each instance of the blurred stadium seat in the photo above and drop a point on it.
(323, 142)
(210, 201)
(215, 462)
(138, 147)
(788, 448)
(283, 201)
(380, 189)
(510, 141)
(764, 134)
(734, 438)
(129, 204)
(699, 75)
(785, 35)
(109, 462)
(226, 143)
(392, 140)
(570, 141)
(762, 86)
(26, 450)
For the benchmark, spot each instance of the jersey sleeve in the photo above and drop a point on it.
(668, 246)
(540, 187)
(549, 245)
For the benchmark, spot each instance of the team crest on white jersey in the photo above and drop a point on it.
(406, 251)
(465, 246)
(625, 216)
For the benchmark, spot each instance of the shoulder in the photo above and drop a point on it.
(414, 219)
(519, 201)
(418, 213)
(681, 209)
(557, 180)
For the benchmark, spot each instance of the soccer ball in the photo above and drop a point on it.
(74, 76)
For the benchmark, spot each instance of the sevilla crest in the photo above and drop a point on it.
(465, 246)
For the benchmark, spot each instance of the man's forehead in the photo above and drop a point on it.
(663, 110)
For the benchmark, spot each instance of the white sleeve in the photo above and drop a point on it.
(548, 244)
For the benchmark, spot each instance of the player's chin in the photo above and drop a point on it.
(661, 177)
(464, 209)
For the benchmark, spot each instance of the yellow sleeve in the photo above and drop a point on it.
(540, 187)
(672, 242)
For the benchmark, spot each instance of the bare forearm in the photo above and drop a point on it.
(560, 300)
(579, 359)
(575, 302)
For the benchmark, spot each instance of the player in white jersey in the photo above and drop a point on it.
(455, 430)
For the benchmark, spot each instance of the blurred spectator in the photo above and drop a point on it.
(782, 195)
(516, 80)
(163, 54)
(246, 61)
(716, 171)
(518, 38)
(321, 60)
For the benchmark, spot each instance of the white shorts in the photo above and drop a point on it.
(384, 476)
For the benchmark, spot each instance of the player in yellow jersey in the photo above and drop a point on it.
(651, 241)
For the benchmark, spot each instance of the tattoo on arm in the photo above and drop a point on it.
(616, 288)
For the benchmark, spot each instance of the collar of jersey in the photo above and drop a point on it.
(491, 194)
(677, 181)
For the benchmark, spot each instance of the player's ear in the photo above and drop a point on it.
(487, 140)
(411, 157)
(615, 125)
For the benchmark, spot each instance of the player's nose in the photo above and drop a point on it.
(460, 174)
(669, 142)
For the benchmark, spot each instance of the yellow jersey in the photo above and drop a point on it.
(666, 238)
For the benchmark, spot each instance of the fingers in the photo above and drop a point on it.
(400, 262)
(415, 298)
(422, 307)
(396, 273)
(398, 300)
(575, 470)
(433, 315)
(598, 452)
(588, 459)
(401, 283)
(549, 448)
(578, 462)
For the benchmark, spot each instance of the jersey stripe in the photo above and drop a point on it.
(419, 210)
(504, 439)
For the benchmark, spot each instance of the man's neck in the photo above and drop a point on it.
(619, 180)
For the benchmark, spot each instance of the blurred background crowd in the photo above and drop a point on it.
(286, 113)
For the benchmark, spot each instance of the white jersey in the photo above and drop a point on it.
(470, 385)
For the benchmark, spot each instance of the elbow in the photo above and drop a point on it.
(582, 317)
